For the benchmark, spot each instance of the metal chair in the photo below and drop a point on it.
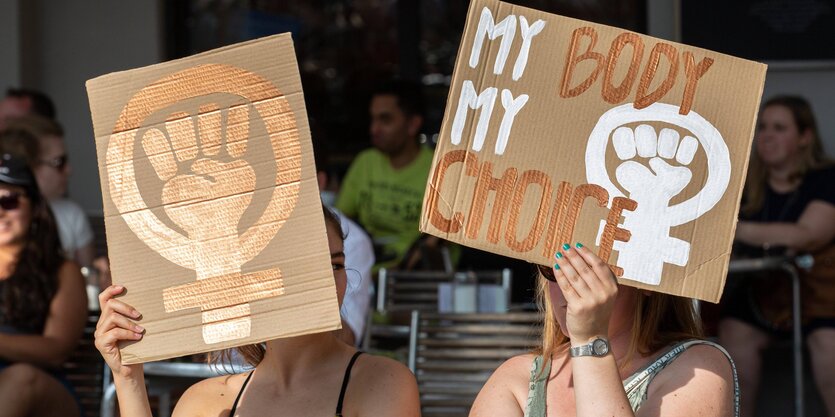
(84, 369)
(790, 266)
(453, 355)
(418, 290)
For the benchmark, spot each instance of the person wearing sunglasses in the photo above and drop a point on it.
(43, 305)
(309, 375)
(47, 157)
(611, 350)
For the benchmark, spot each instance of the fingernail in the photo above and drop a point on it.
(557, 267)
(558, 255)
(138, 335)
(579, 245)
(139, 329)
(566, 246)
(135, 313)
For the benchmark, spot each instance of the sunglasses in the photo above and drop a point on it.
(547, 273)
(10, 201)
(59, 163)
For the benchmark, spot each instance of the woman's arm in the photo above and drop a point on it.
(814, 229)
(63, 329)
(114, 326)
(590, 290)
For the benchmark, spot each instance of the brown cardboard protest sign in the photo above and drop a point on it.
(558, 130)
(214, 223)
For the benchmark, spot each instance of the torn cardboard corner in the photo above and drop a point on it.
(558, 130)
(208, 181)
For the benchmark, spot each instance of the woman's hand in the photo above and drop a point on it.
(115, 325)
(589, 288)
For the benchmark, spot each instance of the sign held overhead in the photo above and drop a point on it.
(208, 179)
(558, 130)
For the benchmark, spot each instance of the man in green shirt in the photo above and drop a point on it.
(383, 189)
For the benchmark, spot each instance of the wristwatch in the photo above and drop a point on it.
(598, 348)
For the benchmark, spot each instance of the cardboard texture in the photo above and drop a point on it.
(212, 210)
(558, 130)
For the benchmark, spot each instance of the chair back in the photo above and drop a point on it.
(418, 290)
(453, 355)
(84, 369)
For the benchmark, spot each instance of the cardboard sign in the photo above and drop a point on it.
(558, 130)
(214, 223)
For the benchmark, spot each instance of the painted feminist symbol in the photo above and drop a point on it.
(653, 187)
(201, 159)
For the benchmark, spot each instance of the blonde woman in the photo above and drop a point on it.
(610, 350)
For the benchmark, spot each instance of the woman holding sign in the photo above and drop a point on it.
(788, 207)
(311, 375)
(43, 305)
(611, 350)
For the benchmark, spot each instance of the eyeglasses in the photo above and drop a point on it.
(59, 163)
(10, 201)
(546, 273)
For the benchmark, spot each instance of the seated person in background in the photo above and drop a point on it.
(24, 102)
(294, 376)
(611, 350)
(788, 207)
(42, 301)
(48, 159)
(383, 189)
(359, 256)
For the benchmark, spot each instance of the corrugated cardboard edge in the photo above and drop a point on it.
(495, 5)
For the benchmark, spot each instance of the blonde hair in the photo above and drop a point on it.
(658, 320)
(812, 156)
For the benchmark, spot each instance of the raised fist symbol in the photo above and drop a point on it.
(653, 184)
(660, 178)
(207, 185)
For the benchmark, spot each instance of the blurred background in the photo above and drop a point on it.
(343, 46)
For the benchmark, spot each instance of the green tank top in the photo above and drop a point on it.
(636, 385)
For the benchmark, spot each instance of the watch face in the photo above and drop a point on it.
(600, 347)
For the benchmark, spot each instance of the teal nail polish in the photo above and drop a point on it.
(559, 255)
(566, 246)
(557, 267)
(579, 245)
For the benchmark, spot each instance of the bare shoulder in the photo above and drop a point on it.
(387, 375)
(383, 387)
(699, 373)
(506, 392)
(210, 397)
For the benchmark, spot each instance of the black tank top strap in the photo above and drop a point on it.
(240, 393)
(344, 383)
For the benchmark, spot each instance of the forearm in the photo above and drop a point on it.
(133, 397)
(34, 349)
(598, 390)
(791, 235)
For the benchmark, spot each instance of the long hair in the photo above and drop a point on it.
(254, 354)
(658, 320)
(26, 295)
(812, 156)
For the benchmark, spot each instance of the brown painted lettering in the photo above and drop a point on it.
(611, 232)
(437, 219)
(530, 241)
(503, 187)
(617, 94)
(560, 206)
(582, 192)
(572, 59)
(644, 99)
(693, 72)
